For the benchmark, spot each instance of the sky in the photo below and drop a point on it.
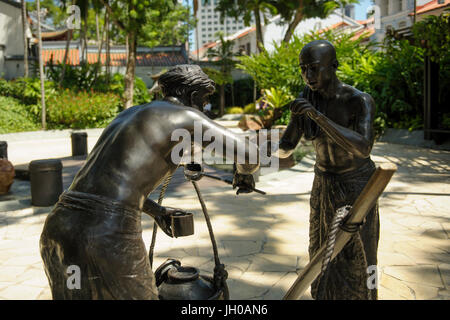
(361, 9)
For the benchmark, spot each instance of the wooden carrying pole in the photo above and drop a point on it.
(366, 200)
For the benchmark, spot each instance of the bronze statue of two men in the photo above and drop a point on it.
(96, 224)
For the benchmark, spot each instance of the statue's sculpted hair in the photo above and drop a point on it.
(182, 80)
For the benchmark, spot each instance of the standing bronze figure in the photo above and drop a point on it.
(96, 224)
(338, 119)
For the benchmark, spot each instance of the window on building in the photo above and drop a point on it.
(399, 6)
(215, 29)
(203, 29)
(384, 8)
(203, 23)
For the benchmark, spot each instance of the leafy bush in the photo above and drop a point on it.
(250, 108)
(141, 94)
(15, 117)
(84, 109)
(82, 77)
(277, 97)
(27, 90)
(234, 110)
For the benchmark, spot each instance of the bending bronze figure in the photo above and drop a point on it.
(338, 119)
(96, 225)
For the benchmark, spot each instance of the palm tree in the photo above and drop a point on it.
(223, 56)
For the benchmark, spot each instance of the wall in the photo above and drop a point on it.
(11, 36)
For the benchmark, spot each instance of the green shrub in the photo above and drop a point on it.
(27, 90)
(141, 94)
(234, 110)
(250, 108)
(15, 117)
(81, 109)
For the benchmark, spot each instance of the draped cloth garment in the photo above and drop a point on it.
(346, 276)
(103, 238)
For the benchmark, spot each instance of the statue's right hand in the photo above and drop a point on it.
(165, 221)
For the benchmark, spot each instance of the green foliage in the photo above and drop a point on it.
(234, 110)
(141, 95)
(433, 33)
(15, 116)
(250, 108)
(27, 90)
(81, 109)
(277, 98)
(218, 77)
(82, 77)
(285, 117)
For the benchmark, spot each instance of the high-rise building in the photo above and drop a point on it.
(208, 23)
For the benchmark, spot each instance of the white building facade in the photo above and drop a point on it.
(395, 14)
(11, 40)
(208, 23)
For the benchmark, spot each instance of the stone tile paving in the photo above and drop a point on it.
(263, 240)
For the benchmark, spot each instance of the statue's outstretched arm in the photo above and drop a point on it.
(237, 148)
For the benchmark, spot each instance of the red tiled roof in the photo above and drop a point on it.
(116, 59)
(57, 55)
(432, 5)
(334, 26)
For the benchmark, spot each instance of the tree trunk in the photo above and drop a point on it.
(259, 35)
(108, 47)
(131, 66)
(41, 65)
(232, 94)
(222, 100)
(97, 30)
(293, 24)
(25, 39)
(66, 53)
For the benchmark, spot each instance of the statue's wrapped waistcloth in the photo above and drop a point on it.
(346, 276)
(98, 240)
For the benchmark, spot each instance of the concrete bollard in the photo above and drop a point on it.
(3, 150)
(46, 182)
(79, 143)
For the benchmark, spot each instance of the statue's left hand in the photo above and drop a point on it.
(301, 106)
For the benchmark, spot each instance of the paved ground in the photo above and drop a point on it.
(262, 240)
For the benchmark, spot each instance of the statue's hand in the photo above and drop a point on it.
(165, 221)
(244, 182)
(302, 106)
